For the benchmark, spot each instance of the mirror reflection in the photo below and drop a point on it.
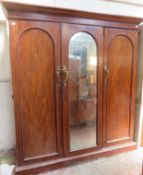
(82, 91)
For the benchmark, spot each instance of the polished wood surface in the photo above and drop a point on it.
(34, 63)
(119, 46)
(11, 7)
(36, 93)
(39, 43)
(31, 12)
(68, 161)
(68, 30)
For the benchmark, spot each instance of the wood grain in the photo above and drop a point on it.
(36, 69)
(37, 106)
(31, 12)
(120, 55)
(39, 43)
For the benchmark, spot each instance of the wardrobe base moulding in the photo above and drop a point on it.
(42, 167)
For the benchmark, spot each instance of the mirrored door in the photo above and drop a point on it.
(82, 96)
(82, 48)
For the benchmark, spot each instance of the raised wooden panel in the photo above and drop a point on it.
(118, 84)
(118, 88)
(36, 70)
(36, 89)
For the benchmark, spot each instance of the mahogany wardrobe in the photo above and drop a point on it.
(74, 85)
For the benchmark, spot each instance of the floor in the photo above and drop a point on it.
(7, 157)
(82, 137)
(129, 163)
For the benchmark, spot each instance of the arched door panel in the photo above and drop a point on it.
(119, 85)
(36, 90)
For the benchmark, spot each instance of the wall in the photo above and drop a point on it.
(118, 7)
(7, 132)
(7, 128)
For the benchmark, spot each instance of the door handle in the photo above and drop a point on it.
(59, 74)
(106, 70)
(65, 75)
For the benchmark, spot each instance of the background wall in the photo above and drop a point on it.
(117, 7)
(7, 128)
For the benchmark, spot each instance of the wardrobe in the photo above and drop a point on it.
(74, 85)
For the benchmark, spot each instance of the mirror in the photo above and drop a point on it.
(82, 91)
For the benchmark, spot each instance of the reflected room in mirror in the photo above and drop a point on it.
(82, 91)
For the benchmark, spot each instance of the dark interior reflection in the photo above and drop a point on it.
(82, 91)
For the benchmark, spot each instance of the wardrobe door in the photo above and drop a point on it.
(35, 57)
(120, 84)
(82, 67)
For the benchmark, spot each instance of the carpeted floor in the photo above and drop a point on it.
(129, 163)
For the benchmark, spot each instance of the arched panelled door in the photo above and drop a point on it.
(37, 95)
(82, 65)
(120, 73)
